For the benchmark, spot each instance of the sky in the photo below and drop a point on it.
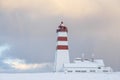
(28, 32)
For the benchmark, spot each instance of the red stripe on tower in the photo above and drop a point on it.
(62, 39)
(62, 47)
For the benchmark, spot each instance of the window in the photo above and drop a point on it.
(92, 71)
(80, 71)
(105, 70)
(77, 71)
(69, 71)
(83, 71)
(99, 67)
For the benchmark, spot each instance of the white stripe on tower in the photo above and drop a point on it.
(62, 52)
(62, 43)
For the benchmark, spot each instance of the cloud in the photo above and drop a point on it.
(12, 64)
(19, 64)
(4, 48)
(70, 8)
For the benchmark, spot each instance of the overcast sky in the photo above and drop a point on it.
(28, 32)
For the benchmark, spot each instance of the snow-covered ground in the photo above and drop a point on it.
(60, 76)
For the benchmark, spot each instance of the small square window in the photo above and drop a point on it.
(99, 67)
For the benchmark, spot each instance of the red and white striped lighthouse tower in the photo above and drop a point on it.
(62, 52)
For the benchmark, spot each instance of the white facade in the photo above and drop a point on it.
(86, 66)
(62, 58)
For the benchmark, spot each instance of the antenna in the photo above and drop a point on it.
(61, 18)
(83, 56)
(92, 59)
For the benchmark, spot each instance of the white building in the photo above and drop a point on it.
(62, 62)
(86, 66)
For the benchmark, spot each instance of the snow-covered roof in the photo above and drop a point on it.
(86, 63)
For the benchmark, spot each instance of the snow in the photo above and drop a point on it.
(60, 76)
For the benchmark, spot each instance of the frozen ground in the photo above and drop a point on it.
(60, 76)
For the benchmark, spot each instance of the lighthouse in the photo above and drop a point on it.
(62, 49)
